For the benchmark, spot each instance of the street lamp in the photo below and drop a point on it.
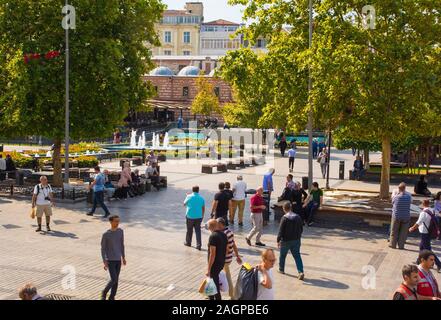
(68, 22)
(310, 171)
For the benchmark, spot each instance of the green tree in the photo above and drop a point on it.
(373, 82)
(109, 55)
(206, 101)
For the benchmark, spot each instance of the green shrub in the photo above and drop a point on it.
(130, 154)
(87, 162)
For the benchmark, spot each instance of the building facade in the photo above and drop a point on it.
(175, 93)
(218, 37)
(179, 31)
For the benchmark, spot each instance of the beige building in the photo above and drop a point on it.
(179, 31)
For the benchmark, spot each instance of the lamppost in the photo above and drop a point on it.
(67, 23)
(310, 171)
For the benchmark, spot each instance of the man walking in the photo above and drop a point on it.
(401, 201)
(43, 199)
(423, 224)
(288, 239)
(217, 251)
(257, 205)
(195, 215)
(407, 289)
(291, 154)
(113, 253)
(231, 248)
(98, 192)
(239, 189)
(221, 203)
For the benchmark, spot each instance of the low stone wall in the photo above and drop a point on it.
(433, 179)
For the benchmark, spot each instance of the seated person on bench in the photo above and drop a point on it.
(298, 196)
(421, 187)
(136, 182)
(109, 188)
(152, 158)
(358, 168)
(152, 173)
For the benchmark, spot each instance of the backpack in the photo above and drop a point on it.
(433, 228)
(247, 284)
(38, 189)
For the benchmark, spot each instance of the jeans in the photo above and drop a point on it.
(311, 209)
(358, 173)
(196, 224)
(98, 198)
(294, 247)
(214, 273)
(291, 163)
(114, 270)
(257, 220)
(324, 167)
(399, 229)
(237, 204)
(425, 244)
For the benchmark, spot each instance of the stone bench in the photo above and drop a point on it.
(220, 167)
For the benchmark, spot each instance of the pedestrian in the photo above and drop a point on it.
(238, 201)
(117, 136)
(257, 205)
(323, 159)
(407, 289)
(268, 188)
(265, 290)
(43, 199)
(298, 196)
(282, 144)
(289, 239)
(290, 183)
(113, 253)
(195, 204)
(358, 168)
(314, 148)
(423, 225)
(221, 203)
(180, 122)
(217, 252)
(125, 180)
(313, 203)
(98, 192)
(401, 201)
(231, 249)
(427, 288)
(292, 155)
(420, 187)
(230, 195)
(29, 292)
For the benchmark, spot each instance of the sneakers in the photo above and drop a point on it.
(248, 241)
(301, 276)
(199, 248)
(310, 223)
(187, 245)
(260, 244)
(281, 271)
(90, 214)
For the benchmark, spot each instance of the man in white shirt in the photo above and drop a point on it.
(238, 201)
(43, 199)
(292, 156)
(265, 291)
(423, 225)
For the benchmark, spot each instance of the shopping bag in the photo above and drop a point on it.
(223, 283)
(247, 283)
(210, 288)
(32, 213)
(202, 286)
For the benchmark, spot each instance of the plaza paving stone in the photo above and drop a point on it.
(161, 267)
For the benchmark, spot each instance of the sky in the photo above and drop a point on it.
(213, 9)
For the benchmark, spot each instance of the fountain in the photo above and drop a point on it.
(49, 154)
(87, 153)
(133, 139)
(141, 141)
(37, 155)
(166, 142)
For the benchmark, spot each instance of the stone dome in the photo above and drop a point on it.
(162, 71)
(190, 71)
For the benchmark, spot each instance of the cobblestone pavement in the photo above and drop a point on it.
(161, 267)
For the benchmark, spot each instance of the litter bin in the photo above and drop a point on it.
(19, 178)
(305, 183)
(341, 170)
(266, 212)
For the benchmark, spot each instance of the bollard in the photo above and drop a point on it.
(341, 170)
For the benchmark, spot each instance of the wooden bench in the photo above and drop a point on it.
(278, 210)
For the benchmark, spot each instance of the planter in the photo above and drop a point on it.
(433, 179)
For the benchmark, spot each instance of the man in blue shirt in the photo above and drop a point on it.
(268, 187)
(98, 192)
(195, 214)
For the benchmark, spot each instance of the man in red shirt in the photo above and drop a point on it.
(257, 204)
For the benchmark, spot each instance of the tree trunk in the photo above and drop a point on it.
(56, 159)
(385, 168)
(427, 158)
(366, 158)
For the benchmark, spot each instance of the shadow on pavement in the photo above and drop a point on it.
(326, 283)
(60, 234)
